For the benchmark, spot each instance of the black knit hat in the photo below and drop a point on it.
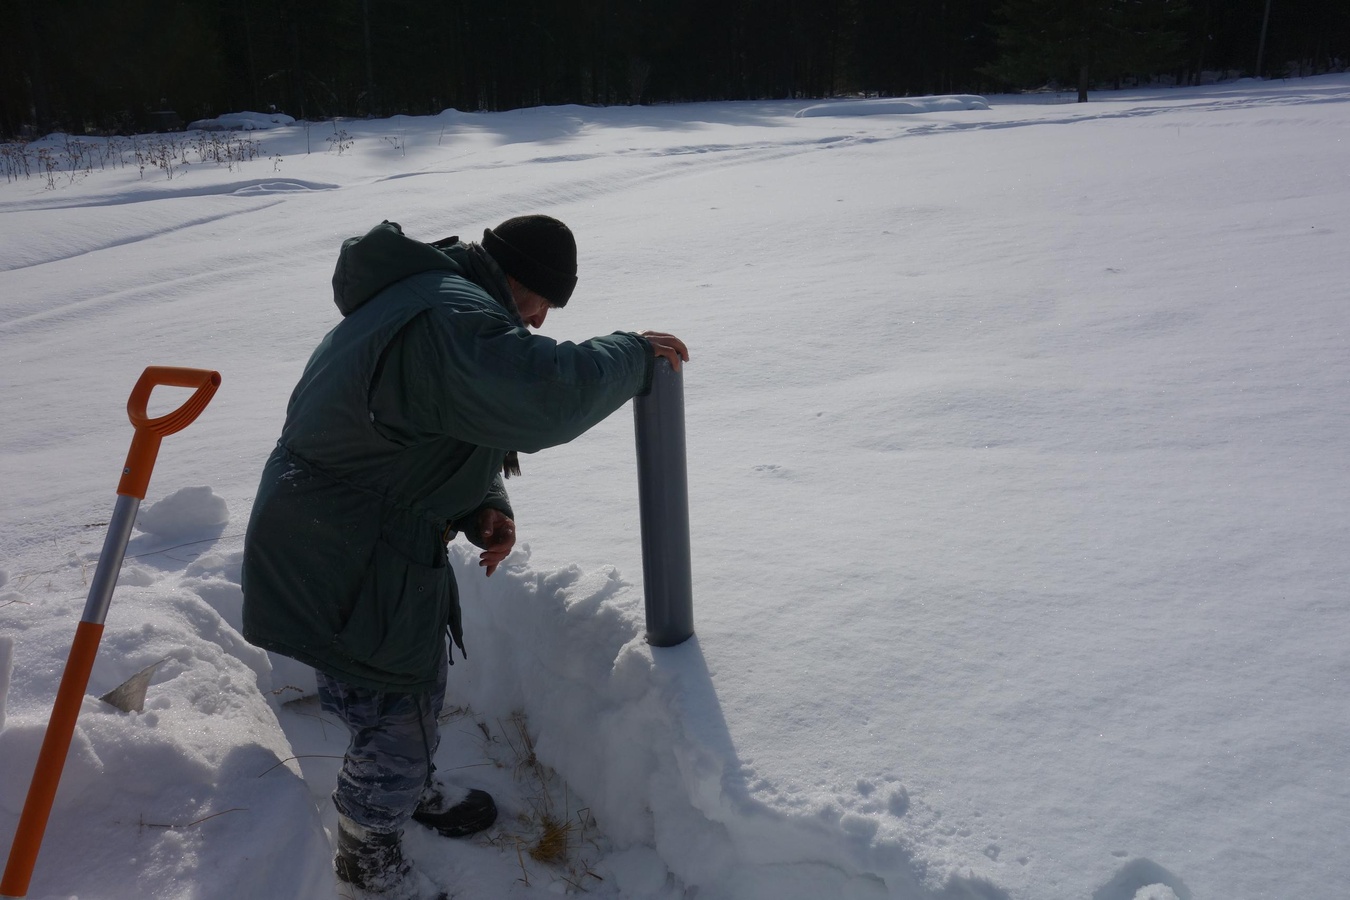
(537, 251)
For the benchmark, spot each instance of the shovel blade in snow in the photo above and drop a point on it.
(129, 696)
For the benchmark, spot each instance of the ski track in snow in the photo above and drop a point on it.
(170, 191)
(699, 157)
(12, 320)
(23, 317)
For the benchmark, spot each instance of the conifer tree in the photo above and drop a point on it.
(1075, 41)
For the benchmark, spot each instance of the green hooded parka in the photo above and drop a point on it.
(395, 435)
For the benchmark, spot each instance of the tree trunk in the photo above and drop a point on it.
(41, 108)
(372, 108)
(638, 70)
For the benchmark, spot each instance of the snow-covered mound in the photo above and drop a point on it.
(187, 511)
(641, 735)
(894, 106)
(193, 795)
(242, 121)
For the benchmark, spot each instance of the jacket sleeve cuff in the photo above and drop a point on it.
(650, 369)
(496, 499)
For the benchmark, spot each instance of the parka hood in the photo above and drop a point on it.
(385, 256)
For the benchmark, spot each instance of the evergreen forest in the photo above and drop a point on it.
(101, 66)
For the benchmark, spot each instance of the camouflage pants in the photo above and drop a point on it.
(389, 760)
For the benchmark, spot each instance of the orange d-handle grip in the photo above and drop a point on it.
(149, 432)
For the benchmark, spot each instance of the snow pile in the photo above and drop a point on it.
(242, 121)
(188, 511)
(639, 732)
(894, 106)
(1143, 880)
(187, 793)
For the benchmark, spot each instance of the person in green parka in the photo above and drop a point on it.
(408, 416)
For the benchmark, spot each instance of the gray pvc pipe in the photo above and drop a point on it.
(663, 501)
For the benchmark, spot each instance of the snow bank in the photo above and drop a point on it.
(201, 787)
(187, 511)
(894, 106)
(242, 121)
(189, 796)
(638, 733)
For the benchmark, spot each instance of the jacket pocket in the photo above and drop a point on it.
(397, 625)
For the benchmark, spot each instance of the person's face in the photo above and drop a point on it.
(533, 308)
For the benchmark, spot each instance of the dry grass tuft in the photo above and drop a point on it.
(550, 833)
(551, 847)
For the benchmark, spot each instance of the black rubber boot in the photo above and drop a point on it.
(370, 866)
(471, 815)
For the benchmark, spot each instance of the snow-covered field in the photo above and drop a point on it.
(1018, 474)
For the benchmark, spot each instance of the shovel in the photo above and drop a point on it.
(130, 492)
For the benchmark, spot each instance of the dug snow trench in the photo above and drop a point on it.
(232, 761)
(651, 801)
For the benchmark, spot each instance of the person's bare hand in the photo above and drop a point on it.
(496, 535)
(667, 347)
